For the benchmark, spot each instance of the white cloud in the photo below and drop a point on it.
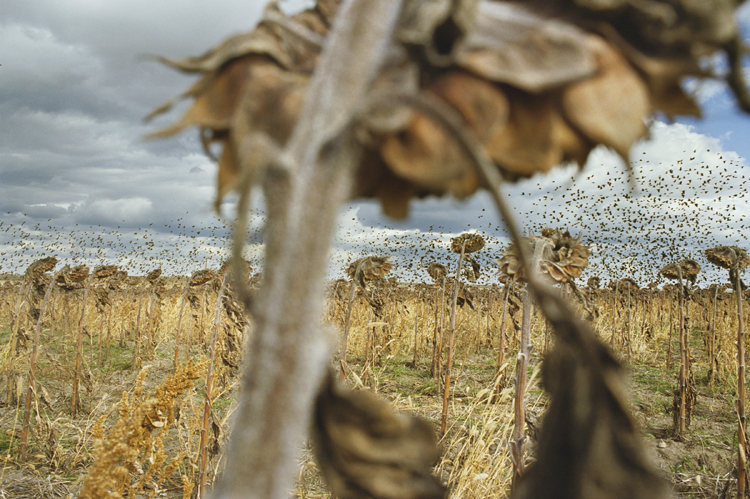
(117, 210)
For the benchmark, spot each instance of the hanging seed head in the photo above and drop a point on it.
(437, 271)
(153, 275)
(689, 267)
(117, 279)
(104, 271)
(64, 281)
(39, 267)
(509, 263)
(226, 265)
(563, 258)
(473, 242)
(727, 257)
(201, 277)
(79, 273)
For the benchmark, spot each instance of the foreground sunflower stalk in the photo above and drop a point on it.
(399, 99)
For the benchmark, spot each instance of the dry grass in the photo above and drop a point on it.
(139, 431)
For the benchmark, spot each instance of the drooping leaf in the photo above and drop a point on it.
(589, 446)
(367, 450)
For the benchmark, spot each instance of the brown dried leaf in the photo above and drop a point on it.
(589, 447)
(366, 450)
(510, 43)
(595, 105)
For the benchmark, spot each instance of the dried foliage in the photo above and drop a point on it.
(528, 85)
(537, 83)
(589, 447)
(366, 450)
(471, 268)
(139, 429)
(689, 267)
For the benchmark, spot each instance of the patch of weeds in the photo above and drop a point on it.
(8, 442)
(655, 381)
(427, 387)
(221, 404)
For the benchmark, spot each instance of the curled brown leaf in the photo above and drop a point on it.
(367, 450)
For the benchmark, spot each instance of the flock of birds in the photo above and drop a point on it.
(635, 222)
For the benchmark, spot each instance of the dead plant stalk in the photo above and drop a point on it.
(32, 371)
(288, 355)
(79, 350)
(208, 402)
(451, 335)
(741, 435)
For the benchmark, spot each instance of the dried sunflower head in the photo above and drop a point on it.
(728, 257)
(627, 283)
(689, 267)
(593, 282)
(200, 277)
(39, 267)
(562, 259)
(536, 83)
(471, 243)
(437, 271)
(153, 275)
(104, 271)
(117, 279)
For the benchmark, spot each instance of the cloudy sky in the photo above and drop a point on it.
(78, 180)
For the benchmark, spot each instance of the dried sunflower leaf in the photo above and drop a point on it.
(589, 447)
(366, 450)
(596, 108)
(509, 43)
